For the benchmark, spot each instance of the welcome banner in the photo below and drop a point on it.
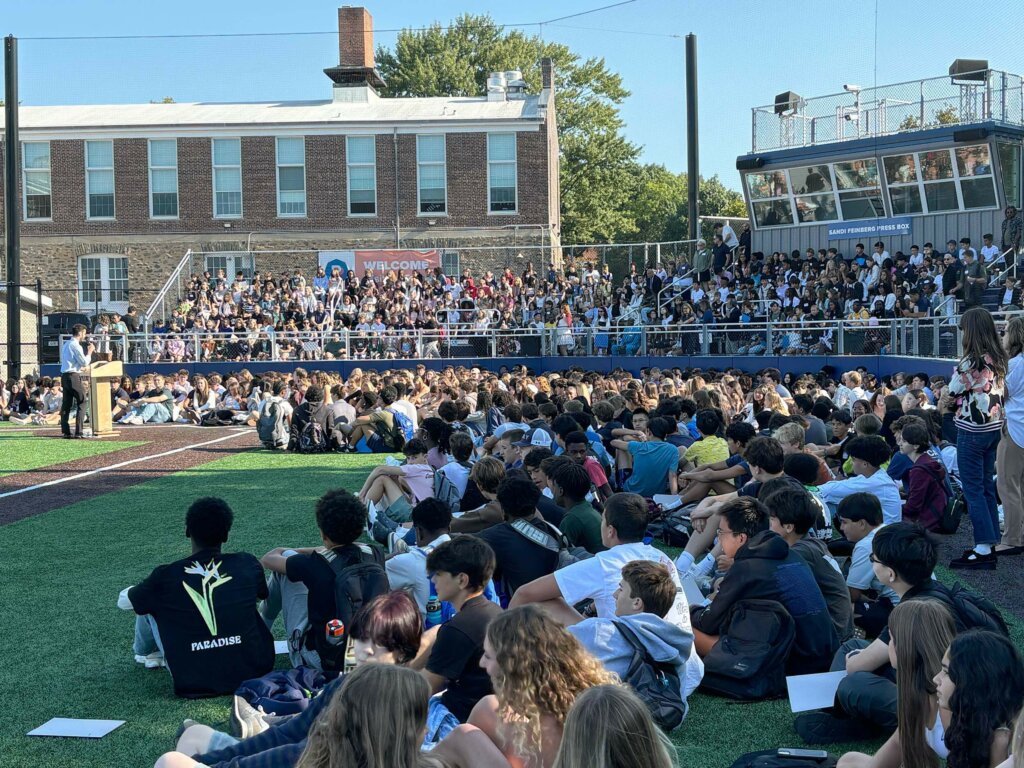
(379, 260)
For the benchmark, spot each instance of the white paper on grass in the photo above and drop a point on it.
(76, 728)
(693, 594)
(807, 692)
(280, 647)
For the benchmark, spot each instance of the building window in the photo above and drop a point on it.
(1009, 170)
(501, 172)
(291, 177)
(99, 179)
(860, 194)
(163, 178)
(959, 179)
(939, 185)
(103, 282)
(361, 157)
(450, 263)
(814, 197)
(977, 182)
(431, 175)
(227, 178)
(769, 198)
(904, 189)
(231, 263)
(35, 163)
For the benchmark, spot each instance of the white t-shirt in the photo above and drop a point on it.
(989, 253)
(879, 485)
(408, 409)
(409, 571)
(862, 575)
(729, 236)
(458, 475)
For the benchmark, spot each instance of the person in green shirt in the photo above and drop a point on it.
(570, 484)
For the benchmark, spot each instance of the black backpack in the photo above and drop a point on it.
(770, 758)
(977, 611)
(312, 438)
(656, 683)
(749, 660)
(676, 527)
(359, 576)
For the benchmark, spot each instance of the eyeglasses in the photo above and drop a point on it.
(874, 559)
(720, 533)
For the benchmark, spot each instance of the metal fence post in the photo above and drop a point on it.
(273, 344)
(840, 344)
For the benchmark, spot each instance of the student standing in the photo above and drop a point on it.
(1010, 454)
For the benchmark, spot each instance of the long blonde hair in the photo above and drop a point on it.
(376, 720)
(921, 631)
(543, 669)
(609, 727)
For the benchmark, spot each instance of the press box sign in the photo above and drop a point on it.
(853, 230)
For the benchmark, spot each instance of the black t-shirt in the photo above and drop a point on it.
(456, 656)
(753, 487)
(518, 560)
(316, 573)
(211, 631)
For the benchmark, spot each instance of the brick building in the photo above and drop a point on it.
(113, 196)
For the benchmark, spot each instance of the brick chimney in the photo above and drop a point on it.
(356, 67)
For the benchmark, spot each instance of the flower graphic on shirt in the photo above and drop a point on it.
(212, 579)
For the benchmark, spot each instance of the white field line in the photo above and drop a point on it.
(120, 464)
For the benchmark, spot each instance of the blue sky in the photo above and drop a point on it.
(748, 52)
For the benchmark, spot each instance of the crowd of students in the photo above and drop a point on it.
(529, 600)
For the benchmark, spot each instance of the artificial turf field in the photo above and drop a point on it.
(20, 451)
(66, 647)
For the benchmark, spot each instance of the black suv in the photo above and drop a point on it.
(56, 325)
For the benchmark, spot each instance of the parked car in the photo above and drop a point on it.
(55, 325)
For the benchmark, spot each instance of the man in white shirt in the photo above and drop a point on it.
(73, 361)
(431, 520)
(989, 252)
(623, 526)
(868, 453)
(880, 254)
(729, 235)
(849, 391)
(402, 404)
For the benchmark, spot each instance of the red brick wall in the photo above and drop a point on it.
(326, 191)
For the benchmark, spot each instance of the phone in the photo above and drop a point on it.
(802, 754)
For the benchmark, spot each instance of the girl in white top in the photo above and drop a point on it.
(1010, 453)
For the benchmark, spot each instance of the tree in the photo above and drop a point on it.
(948, 115)
(164, 100)
(597, 162)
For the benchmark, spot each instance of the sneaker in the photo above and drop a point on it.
(246, 721)
(396, 541)
(976, 561)
(154, 660)
(823, 728)
(136, 421)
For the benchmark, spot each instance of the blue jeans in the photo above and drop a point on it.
(153, 413)
(147, 637)
(976, 457)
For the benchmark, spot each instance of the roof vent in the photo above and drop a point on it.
(496, 85)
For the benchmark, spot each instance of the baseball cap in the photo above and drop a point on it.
(501, 429)
(538, 437)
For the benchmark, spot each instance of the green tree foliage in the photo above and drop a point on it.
(607, 195)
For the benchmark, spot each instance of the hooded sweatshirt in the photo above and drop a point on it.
(765, 568)
(666, 642)
(926, 492)
(831, 583)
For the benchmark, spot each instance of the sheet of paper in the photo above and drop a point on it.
(667, 500)
(280, 647)
(818, 691)
(693, 594)
(75, 728)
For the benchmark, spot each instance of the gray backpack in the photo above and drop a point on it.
(552, 540)
(271, 427)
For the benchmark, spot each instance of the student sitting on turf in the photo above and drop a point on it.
(792, 437)
(710, 448)
(577, 447)
(301, 581)
(720, 476)
(763, 567)
(460, 569)
(375, 430)
(387, 630)
(431, 520)
(533, 464)
(457, 470)
(209, 640)
(868, 454)
(404, 485)
(312, 409)
(926, 479)
(487, 475)
(792, 513)
(570, 484)
(860, 518)
(645, 595)
(519, 543)
(648, 465)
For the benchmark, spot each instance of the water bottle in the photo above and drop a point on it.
(433, 611)
(335, 632)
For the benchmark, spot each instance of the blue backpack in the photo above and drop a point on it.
(403, 422)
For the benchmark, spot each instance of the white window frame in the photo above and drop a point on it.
(25, 171)
(514, 162)
(177, 191)
(279, 166)
(839, 192)
(419, 165)
(788, 197)
(213, 181)
(955, 178)
(105, 302)
(349, 165)
(113, 183)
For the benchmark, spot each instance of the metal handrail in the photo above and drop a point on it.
(175, 274)
(996, 279)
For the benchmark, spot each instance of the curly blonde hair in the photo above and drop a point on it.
(543, 669)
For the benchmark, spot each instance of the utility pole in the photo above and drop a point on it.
(12, 214)
(692, 152)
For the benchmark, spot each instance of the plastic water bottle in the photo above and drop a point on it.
(433, 611)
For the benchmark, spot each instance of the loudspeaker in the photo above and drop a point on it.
(786, 101)
(749, 163)
(971, 134)
(969, 70)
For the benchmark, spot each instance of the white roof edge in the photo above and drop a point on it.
(30, 296)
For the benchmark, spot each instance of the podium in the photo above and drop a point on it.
(101, 374)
